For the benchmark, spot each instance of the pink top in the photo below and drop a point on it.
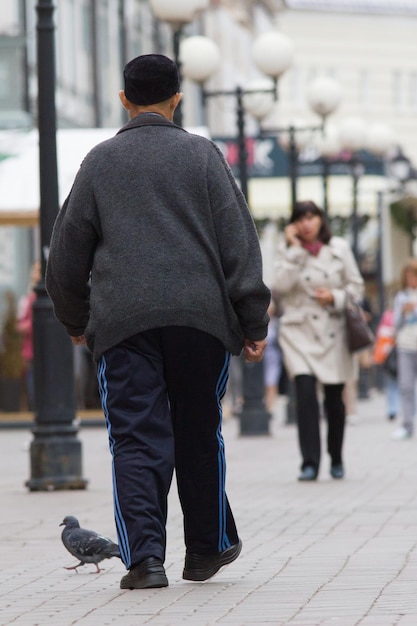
(387, 318)
(24, 325)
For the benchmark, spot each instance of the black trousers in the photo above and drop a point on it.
(161, 393)
(308, 418)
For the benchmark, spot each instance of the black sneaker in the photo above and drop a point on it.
(200, 567)
(150, 573)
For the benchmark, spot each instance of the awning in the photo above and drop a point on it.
(19, 169)
(270, 198)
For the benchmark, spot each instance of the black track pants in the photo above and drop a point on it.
(161, 392)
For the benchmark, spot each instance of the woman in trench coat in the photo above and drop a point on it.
(314, 272)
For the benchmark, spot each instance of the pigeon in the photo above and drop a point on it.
(86, 545)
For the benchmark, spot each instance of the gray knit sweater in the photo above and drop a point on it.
(156, 233)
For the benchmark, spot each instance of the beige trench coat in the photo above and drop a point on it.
(312, 337)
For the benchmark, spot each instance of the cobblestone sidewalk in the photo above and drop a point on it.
(322, 554)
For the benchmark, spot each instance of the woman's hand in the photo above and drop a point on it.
(324, 296)
(291, 235)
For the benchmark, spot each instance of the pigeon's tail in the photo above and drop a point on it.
(113, 550)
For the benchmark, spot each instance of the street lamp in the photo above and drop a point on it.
(178, 13)
(323, 95)
(55, 452)
(380, 138)
(400, 167)
(352, 132)
(273, 55)
(354, 135)
(328, 146)
(200, 58)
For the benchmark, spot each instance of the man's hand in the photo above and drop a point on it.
(79, 341)
(254, 350)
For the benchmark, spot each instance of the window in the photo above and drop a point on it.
(398, 90)
(413, 91)
(86, 24)
(364, 91)
(297, 91)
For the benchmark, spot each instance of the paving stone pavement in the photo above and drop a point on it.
(329, 553)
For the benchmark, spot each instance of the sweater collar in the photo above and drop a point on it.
(148, 119)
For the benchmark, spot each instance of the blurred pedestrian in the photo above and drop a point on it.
(384, 344)
(365, 356)
(272, 357)
(359, 387)
(234, 395)
(405, 322)
(350, 395)
(314, 273)
(156, 218)
(25, 327)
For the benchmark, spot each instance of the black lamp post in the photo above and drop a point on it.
(55, 451)
(293, 165)
(293, 154)
(400, 168)
(357, 170)
(325, 178)
(177, 40)
(254, 418)
(380, 255)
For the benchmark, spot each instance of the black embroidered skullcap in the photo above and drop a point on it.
(150, 78)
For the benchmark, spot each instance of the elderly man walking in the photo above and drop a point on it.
(155, 264)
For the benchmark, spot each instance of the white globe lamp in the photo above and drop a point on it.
(379, 138)
(352, 132)
(178, 11)
(273, 53)
(258, 98)
(199, 57)
(324, 94)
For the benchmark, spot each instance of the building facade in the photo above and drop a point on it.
(369, 46)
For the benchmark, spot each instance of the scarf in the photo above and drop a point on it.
(313, 248)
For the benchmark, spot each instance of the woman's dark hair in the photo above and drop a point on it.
(308, 206)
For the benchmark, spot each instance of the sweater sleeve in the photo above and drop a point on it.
(73, 242)
(239, 249)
